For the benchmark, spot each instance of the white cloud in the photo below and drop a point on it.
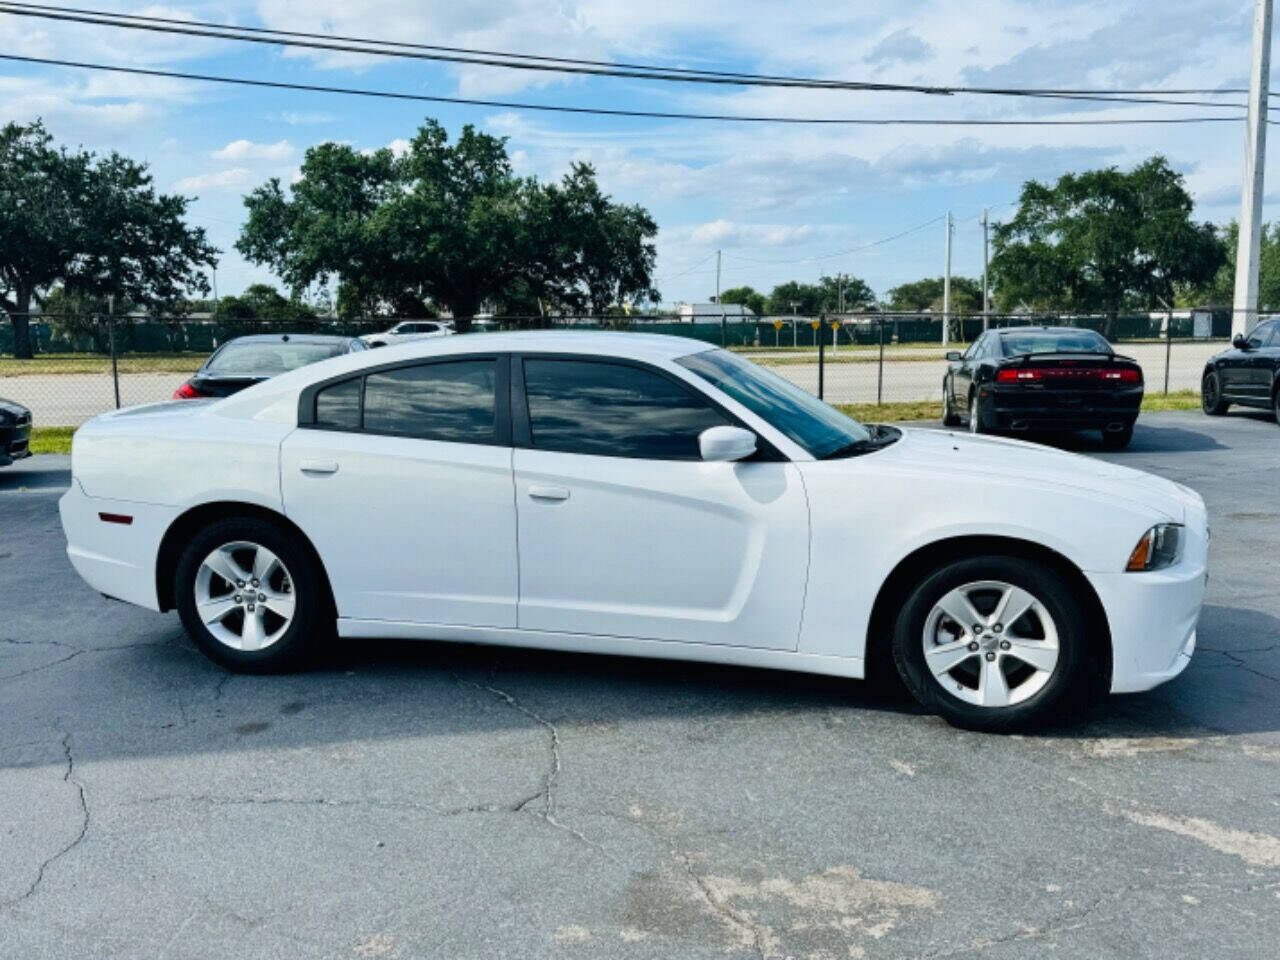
(236, 178)
(248, 150)
(724, 232)
(304, 118)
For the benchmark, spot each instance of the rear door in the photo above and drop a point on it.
(962, 377)
(401, 477)
(625, 532)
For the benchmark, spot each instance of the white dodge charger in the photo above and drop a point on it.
(637, 495)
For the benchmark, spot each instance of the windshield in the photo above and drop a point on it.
(818, 428)
(1054, 341)
(267, 359)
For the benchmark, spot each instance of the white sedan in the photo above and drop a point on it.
(638, 495)
(408, 330)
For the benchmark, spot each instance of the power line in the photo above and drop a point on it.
(500, 59)
(602, 111)
(684, 273)
(844, 253)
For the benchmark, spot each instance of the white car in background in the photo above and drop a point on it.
(408, 330)
(638, 495)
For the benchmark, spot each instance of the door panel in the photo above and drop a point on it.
(662, 549)
(408, 529)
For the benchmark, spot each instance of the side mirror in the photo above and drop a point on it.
(1239, 342)
(726, 443)
(953, 354)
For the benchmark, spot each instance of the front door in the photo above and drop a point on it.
(625, 532)
(402, 479)
(1242, 370)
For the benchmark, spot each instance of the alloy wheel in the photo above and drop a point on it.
(990, 644)
(244, 596)
(974, 425)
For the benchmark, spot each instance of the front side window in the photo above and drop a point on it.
(454, 401)
(813, 425)
(614, 410)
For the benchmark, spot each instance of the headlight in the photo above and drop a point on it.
(1159, 547)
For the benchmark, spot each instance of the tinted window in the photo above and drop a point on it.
(338, 406)
(257, 359)
(815, 426)
(1053, 341)
(435, 401)
(612, 410)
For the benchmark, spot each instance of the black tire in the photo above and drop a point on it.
(1275, 403)
(313, 618)
(1211, 395)
(949, 416)
(1117, 439)
(1070, 683)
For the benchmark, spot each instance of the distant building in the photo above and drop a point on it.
(713, 311)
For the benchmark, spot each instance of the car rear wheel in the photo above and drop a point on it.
(1117, 439)
(250, 595)
(975, 415)
(1275, 403)
(992, 643)
(1211, 395)
(949, 416)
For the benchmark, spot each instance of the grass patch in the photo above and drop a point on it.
(51, 439)
(932, 409)
(59, 363)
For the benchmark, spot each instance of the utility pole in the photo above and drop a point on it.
(986, 297)
(1245, 306)
(718, 278)
(946, 288)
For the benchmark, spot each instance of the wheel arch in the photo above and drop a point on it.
(186, 524)
(916, 565)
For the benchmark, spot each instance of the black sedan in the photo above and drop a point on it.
(244, 361)
(1247, 374)
(1043, 379)
(15, 432)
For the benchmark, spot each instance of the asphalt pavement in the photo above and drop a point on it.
(422, 800)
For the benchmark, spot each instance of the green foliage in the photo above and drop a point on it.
(262, 302)
(853, 292)
(1103, 240)
(821, 297)
(804, 299)
(926, 295)
(1220, 292)
(449, 224)
(747, 296)
(94, 225)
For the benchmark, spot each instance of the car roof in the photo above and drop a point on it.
(290, 337)
(641, 346)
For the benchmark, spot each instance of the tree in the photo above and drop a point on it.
(1220, 292)
(746, 296)
(94, 225)
(807, 299)
(1103, 240)
(263, 303)
(926, 295)
(448, 224)
(852, 292)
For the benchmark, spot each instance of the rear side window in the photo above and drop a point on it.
(338, 406)
(614, 410)
(436, 401)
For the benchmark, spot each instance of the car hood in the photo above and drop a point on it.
(946, 453)
(10, 411)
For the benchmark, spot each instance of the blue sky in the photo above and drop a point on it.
(780, 201)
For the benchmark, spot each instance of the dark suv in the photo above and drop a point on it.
(15, 432)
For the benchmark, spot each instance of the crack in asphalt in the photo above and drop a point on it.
(75, 652)
(228, 801)
(548, 791)
(69, 776)
(735, 919)
(1239, 662)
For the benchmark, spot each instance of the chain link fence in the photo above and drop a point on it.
(83, 366)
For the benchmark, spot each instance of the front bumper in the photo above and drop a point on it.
(15, 441)
(1153, 616)
(116, 559)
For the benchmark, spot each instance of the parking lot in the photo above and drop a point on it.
(425, 800)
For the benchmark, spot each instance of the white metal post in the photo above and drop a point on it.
(1245, 305)
(946, 288)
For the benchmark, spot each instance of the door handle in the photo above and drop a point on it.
(542, 492)
(318, 466)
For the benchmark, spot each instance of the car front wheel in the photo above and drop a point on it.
(993, 643)
(251, 596)
(1211, 395)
